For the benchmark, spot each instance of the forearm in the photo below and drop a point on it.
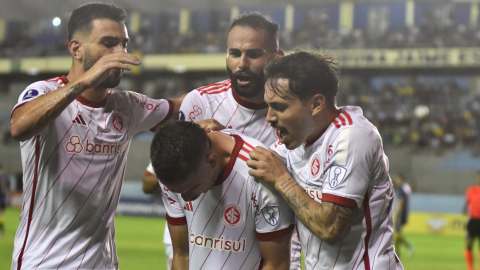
(180, 262)
(319, 218)
(34, 116)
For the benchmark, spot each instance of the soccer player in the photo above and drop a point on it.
(336, 177)
(218, 215)
(75, 135)
(237, 103)
(403, 194)
(4, 193)
(472, 207)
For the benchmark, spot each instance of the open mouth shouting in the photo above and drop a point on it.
(245, 79)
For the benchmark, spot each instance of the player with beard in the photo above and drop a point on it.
(75, 135)
(236, 103)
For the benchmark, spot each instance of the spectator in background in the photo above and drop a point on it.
(403, 194)
(4, 193)
(472, 208)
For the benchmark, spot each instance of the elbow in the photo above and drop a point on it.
(18, 133)
(331, 236)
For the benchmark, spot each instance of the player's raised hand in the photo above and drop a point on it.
(211, 125)
(101, 69)
(266, 165)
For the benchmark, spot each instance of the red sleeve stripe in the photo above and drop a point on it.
(169, 114)
(176, 221)
(348, 117)
(214, 85)
(337, 124)
(275, 234)
(214, 92)
(242, 157)
(214, 88)
(340, 117)
(339, 200)
(249, 145)
(246, 149)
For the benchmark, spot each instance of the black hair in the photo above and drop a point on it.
(257, 21)
(82, 17)
(176, 151)
(308, 73)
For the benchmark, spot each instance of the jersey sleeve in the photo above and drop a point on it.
(273, 217)
(280, 149)
(32, 92)
(193, 108)
(149, 113)
(175, 215)
(355, 156)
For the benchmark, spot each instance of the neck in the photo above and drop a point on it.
(222, 146)
(259, 99)
(95, 94)
(323, 120)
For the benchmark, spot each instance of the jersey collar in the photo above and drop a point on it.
(85, 101)
(246, 104)
(233, 157)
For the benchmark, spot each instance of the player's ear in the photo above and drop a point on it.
(318, 102)
(280, 52)
(76, 49)
(212, 160)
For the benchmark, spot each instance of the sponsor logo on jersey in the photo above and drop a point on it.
(315, 194)
(256, 213)
(195, 112)
(188, 206)
(79, 120)
(232, 215)
(76, 146)
(315, 166)
(117, 123)
(147, 105)
(271, 214)
(336, 174)
(218, 243)
(181, 116)
(30, 94)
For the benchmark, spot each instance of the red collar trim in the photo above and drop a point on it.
(246, 104)
(233, 157)
(92, 104)
(64, 79)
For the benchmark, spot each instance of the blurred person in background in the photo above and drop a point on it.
(75, 134)
(403, 195)
(237, 103)
(4, 194)
(472, 209)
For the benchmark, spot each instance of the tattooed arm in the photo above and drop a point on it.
(329, 221)
(30, 118)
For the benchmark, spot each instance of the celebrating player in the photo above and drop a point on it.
(472, 208)
(218, 215)
(336, 177)
(237, 103)
(75, 136)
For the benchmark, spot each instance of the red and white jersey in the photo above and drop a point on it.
(346, 166)
(226, 223)
(219, 101)
(73, 174)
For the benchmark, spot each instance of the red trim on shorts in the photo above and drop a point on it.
(32, 200)
(169, 114)
(176, 221)
(246, 104)
(275, 234)
(339, 200)
(368, 221)
(91, 104)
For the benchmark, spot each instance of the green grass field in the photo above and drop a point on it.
(140, 246)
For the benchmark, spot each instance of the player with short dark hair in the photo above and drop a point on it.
(472, 208)
(336, 176)
(218, 215)
(75, 133)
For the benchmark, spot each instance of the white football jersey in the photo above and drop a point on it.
(73, 174)
(220, 102)
(226, 223)
(346, 165)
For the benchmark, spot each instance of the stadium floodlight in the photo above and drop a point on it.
(56, 21)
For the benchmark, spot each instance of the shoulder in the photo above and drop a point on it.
(215, 90)
(351, 122)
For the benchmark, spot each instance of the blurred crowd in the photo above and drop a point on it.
(433, 31)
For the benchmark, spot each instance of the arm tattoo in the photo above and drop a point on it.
(73, 91)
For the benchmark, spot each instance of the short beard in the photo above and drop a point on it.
(111, 81)
(254, 90)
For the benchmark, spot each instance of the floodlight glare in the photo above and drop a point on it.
(56, 21)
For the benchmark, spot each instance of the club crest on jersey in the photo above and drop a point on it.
(336, 174)
(315, 166)
(74, 145)
(232, 215)
(181, 116)
(117, 123)
(271, 214)
(30, 94)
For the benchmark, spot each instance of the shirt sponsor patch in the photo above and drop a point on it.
(232, 215)
(336, 175)
(30, 94)
(271, 214)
